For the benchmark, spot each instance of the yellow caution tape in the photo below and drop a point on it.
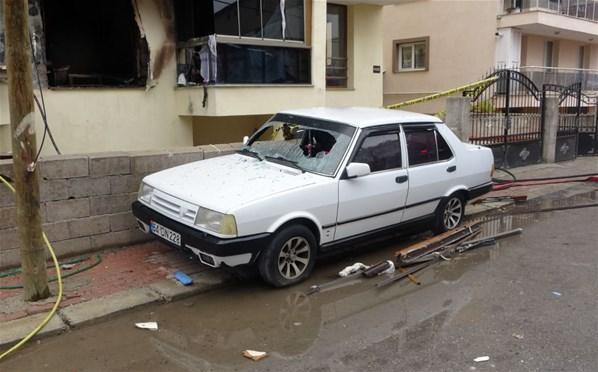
(442, 94)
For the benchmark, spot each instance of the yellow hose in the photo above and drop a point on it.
(43, 323)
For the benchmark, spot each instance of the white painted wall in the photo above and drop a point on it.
(508, 47)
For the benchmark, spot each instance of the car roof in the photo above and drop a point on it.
(363, 117)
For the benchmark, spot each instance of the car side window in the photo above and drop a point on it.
(444, 151)
(381, 151)
(421, 145)
(426, 145)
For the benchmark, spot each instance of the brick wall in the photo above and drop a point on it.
(86, 199)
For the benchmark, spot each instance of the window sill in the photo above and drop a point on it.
(413, 70)
(340, 89)
(246, 86)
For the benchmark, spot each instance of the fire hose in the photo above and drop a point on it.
(52, 312)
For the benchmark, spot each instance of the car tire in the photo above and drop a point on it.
(289, 258)
(449, 214)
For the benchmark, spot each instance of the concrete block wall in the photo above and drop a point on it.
(86, 199)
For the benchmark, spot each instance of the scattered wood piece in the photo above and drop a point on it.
(481, 359)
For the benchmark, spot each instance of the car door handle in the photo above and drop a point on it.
(401, 179)
(451, 169)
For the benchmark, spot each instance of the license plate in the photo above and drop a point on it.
(165, 233)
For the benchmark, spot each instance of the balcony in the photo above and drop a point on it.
(571, 19)
(584, 9)
(562, 76)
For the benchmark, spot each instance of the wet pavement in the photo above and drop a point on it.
(529, 303)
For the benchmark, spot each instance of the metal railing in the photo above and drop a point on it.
(562, 76)
(585, 9)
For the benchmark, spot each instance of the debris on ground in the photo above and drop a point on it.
(358, 266)
(254, 355)
(67, 266)
(481, 359)
(558, 294)
(152, 326)
(183, 278)
(518, 336)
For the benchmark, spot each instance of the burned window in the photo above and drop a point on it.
(260, 19)
(242, 42)
(94, 44)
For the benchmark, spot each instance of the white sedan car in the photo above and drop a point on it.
(311, 180)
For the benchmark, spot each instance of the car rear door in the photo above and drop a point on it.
(432, 169)
(376, 200)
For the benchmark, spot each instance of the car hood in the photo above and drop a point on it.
(228, 182)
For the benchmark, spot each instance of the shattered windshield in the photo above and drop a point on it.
(304, 143)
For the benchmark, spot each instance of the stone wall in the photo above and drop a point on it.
(86, 199)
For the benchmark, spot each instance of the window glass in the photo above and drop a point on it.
(406, 57)
(226, 17)
(444, 151)
(272, 19)
(255, 64)
(295, 20)
(380, 151)
(421, 145)
(420, 55)
(336, 45)
(251, 18)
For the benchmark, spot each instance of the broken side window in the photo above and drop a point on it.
(93, 44)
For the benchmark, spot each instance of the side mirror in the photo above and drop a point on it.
(245, 140)
(357, 170)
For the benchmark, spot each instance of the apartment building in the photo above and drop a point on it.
(434, 45)
(147, 74)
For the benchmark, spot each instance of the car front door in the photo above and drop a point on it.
(376, 200)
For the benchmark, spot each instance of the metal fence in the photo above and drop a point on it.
(562, 76)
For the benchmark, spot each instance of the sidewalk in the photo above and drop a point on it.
(124, 279)
(137, 275)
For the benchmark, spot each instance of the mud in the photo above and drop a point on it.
(465, 308)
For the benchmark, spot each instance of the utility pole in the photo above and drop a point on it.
(24, 149)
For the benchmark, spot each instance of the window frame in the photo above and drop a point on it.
(345, 30)
(397, 54)
(373, 131)
(252, 40)
(434, 127)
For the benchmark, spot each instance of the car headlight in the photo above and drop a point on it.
(217, 222)
(145, 193)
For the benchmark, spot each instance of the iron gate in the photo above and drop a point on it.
(587, 140)
(507, 117)
(569, 119)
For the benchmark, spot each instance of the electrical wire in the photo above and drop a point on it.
(45, 321)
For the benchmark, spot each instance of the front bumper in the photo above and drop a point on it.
(211, 250)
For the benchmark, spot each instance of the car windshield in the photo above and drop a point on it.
(305, 143)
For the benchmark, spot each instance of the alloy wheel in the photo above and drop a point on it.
(293, 258)
(453, 213)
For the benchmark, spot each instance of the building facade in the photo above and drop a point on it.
(147, 74)
(434, 45)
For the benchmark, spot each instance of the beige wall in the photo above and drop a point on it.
(96, 119)
(461, 44)
(210, 130)
(108, 119)
(365, 51)
(566, 52)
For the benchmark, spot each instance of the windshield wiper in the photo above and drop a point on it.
(248, 152)
(283, 161)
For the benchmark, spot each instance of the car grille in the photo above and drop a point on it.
(173, 207)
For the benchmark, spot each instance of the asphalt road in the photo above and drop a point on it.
(529, 304)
